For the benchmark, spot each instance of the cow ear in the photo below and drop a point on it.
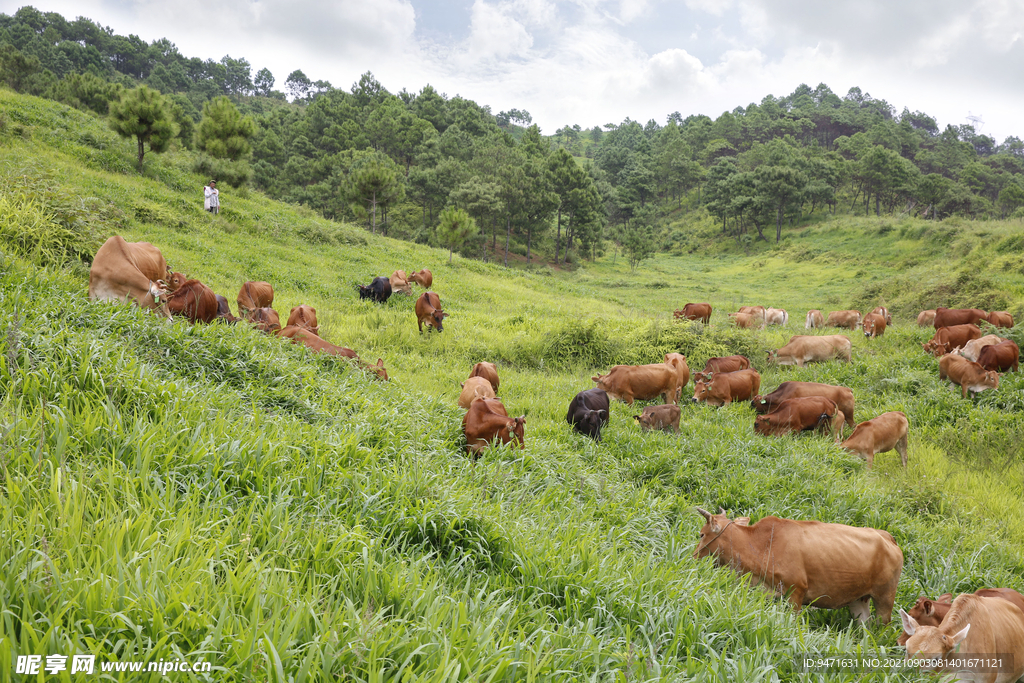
(596, 379)
(928, 607)
(637, 417)
(909, 625)
(522, 419)
(959, 636)
(603, 414)
(742, 521)
(945, 598)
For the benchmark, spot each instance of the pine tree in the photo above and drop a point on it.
(144, 114)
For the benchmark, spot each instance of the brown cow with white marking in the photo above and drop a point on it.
(802, 414)
(886, 432)
(428, 310)
(129, 271)
(487, 421)
(972, 349)
(803, 349)
(630, 383)
(970, 376)
(848, 319)
(722, 388)
(814, 319)
(884, 312)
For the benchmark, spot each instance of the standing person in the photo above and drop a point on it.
(212, 203)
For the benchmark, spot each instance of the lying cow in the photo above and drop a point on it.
(776, 316)
(814, 319)
(488, 371)
(663, 417)
(884, 433)
(474, 389)
(300, 335)
(305, 317)
(428, 310)
(588, 413)
(874, 325)
(948, 317)
(970, 376)
(722, 388)
(400, 283)
(630, 383)
(193, 301)
(487, 421)
(722, 364)
(884, 312)
(926, 318)
(803, 349)
(842, 397)
(1001, 357)
(424, 278)
(948, 338)
(812, 563)
(678, 361)
(802, 414)
(253, 295)
(701, 312)
(848, 319)
(932, 612)
(378, 290)
(224, 310)
(972, 349)
(747, 321)
(129, 271)
(265, 320)
(1000, 319)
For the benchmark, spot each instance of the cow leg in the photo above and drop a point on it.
(861, 609)
(963, 390)
(901, 448)
(796, 596)
(884, 604)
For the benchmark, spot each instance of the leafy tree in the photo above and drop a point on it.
(777, 186)
(1011, 198)
(637, 239)
(86, 91)
(298, 85)
(223, 132)
(480, 199)
(455, 227)
(375, 184)
(264, 82)
(717, 194)
(144, 114)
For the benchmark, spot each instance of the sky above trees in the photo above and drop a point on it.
(593, 62)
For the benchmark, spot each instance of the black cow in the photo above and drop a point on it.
(588, 413)
(379, 290)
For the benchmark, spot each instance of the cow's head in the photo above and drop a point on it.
(763, 425)
(773, 356)
(760, 404)
(928, 642)
(590, 422)
(700, 392)
(379, 370)
(714, 527)
(516, 429)
(437, 319)
(991, 379)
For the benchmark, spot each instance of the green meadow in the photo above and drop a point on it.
(215, 494)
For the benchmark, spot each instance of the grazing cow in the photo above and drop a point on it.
(254, 295)
(678, 361)
(722, 388)
(722, 364)
(701, 312)
(814, 319)
(300, 335)
(747, 321)
(948, 338)
(926, 318)
(884, 312)
(1000, 318)
(975, 628)
(474, 389)
(848, 319)
(378, 290)
(424, 278)
(193, 300)
(400, 283)
(264, 319)
(129, 271)
(948, 317)
(663, 417)
(224, 310)
(970, 376)
(428, 310)
(842, 396)
(1001, 357)
(802, 414)
(630, 383)
(487, 371)
(588, 413)
(874, 325)
(487, 420)
(776, 316)
(305, 317)
(810, 349)
(812, 563)
(884, 433)
(756, 311)
(972, 349)
(931, 612)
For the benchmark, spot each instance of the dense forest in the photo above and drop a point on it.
(448, 171)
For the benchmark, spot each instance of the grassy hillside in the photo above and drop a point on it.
(215, 493)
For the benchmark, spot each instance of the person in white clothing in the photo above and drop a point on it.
(212, 203)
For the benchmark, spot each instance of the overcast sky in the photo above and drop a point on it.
(593, 62)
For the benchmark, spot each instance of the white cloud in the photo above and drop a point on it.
(495, 34)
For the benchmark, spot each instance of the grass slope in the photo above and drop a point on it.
(209, 491)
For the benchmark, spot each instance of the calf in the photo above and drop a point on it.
(842, 396)
(884, 433)
(931, 612)
(723, 388)
(305, 317)
(1000, 318)
(424, 278)
(926, 318)
(588, 413)
(488, 371)
(264, 319)
(874, 325)
(378, 290)
(701, 312)
(722, 364)
(473, 389)
(800, 414)
(428, 310)
(970, 376)
(663, 417)
(487, 421)
(1001, 357)
(948, 338)
(848, 319)
(814, 319)
(948, 317)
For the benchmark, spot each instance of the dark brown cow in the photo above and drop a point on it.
(424, 278)
(701, 312)
(194, 301)
(842, 396)
(1000, 318)
(663, 417)
(970, 376)
(224, 310)
(948, 338)
(948, 317)
(264, 319)
(305, 317)
(129, 271)
(874, 325)
(722, 388)
(931, 612)
(630, 383)
(487, 420)
(300, 335)
(253, 295)
(884, 433)
(1001, 357)
(428, 310)
(800, 414)
(488, 371)
(722, 364)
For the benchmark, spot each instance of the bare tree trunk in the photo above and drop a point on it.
(508, 234)
(142, 152)
(558, 239)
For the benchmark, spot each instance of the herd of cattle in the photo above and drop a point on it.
(811, 562)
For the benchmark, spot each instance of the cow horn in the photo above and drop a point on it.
(704, 513)
(721, 510)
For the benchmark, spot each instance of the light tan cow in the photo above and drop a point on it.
(630, 383)
(884, 433)
(814, 319)
(926, 318)
(475, 388)
(972, 349)
(884, 312)
(678, 361)
(970, 376)
(304, 316)
(129, 271)
(776, 316)
(747, 321)
(803, 349)
(848, 319)
(400, 283)
(756, 311)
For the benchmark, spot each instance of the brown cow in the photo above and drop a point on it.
(488, 371)
(747, 321)
(972, 349)
(129, 271)
(948, 338)
(874, 325)
(253, 295)
(1000, 318)
(428, 310)
(811, 349)
(814, 319)
(812, 563)
(424, 278)
(264, 319)
(848, 319)
(701, 312)
(931, 612)
(948, 317)
(842, 396)
(1001, 357)
(722, 364)
(400, 283)
(926, 318)
(722, 388)
(224, 310)
(884, 312)
(678, 361)
(801, 414)
(300, 335)
(473, 389)
(884, 433)
(193, 300)
(487, 420)
(630, 383)
(663, 417)
(970, 376)
(756, 311)
(174, 280)
(305, 317)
